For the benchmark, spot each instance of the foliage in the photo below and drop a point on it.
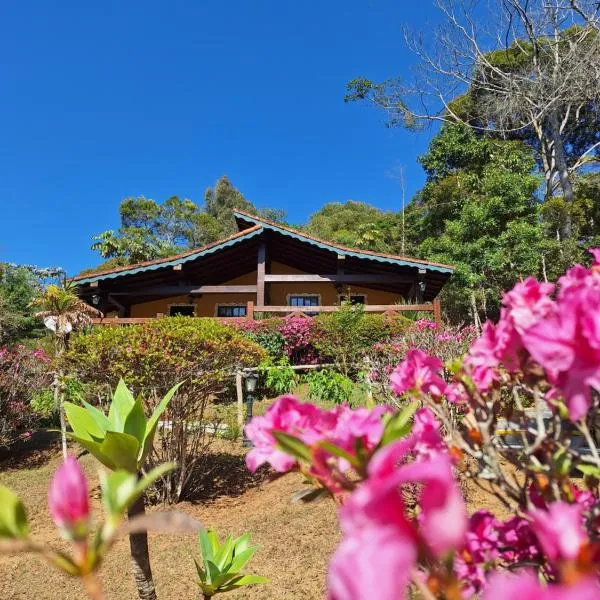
(343, 336)
(327, 385)
(446, 342)
(151, 358)
(150, 230)
(298, 334)
(279, 377)
(23, 374)
(222, 564)
(269, 339)
(403, 513)
(18, 287)
(70, 510)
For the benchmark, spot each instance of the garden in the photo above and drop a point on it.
(381, 456)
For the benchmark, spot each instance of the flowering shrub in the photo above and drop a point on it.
(23, 373)
(403, 517)
(446, 342)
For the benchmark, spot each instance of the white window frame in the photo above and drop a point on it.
(303, 295)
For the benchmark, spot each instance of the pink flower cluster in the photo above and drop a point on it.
(423, 324)
(340, 426)
(562, 335)
(381, 541)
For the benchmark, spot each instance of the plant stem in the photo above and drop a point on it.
(92, 586)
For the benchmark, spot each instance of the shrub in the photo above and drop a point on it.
(327, 385)
(151, 358)
(23, 372)
(345, 336)
(298, 332)
(279, 378)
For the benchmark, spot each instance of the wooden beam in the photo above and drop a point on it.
(437, 310)
(260, 273)
(180, 290)
(250, 310)
(338, 278)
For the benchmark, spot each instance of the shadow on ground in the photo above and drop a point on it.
(30, 453)
(221, 474)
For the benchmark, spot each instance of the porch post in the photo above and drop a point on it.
(260, 273)
(250, 310)
(437, 310)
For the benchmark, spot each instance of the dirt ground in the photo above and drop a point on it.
(295, 540)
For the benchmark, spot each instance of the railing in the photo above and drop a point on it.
(389, 309)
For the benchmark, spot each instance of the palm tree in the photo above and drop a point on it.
(63, 312)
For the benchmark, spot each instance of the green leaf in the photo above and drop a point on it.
(200, 571)
(95, 449)
(292, 445)
(205, 548)
(120, 407)
(240, 559)
(152, 422)
(117, 488)
(13, 521)
(244, 580)
(242, 543)
(590, 470)
(100, 418)
(399, 425)
(224, 554)
(122, 450)
(83, 422)
(135, 423)
(337, 451)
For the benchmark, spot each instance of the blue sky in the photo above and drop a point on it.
(106, 100)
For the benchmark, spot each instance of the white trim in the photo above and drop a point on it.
(241, 305)
(175, 304)
(303, 295)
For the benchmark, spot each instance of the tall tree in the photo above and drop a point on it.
(526, 69)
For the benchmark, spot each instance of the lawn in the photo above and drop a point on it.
(295, 540)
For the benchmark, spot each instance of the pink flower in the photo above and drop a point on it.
(528, 302)
(68, 499)
(426, 430)
(419, 372)
(288, 415)
(518, 542)
(595, 252)
(559, 530)
(525, 586)
(371, 563)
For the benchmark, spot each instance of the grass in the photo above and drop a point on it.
(295, 540)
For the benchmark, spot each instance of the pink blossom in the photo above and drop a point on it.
(419, 372)
(40, 354)
(525, 586)
(559, 530)
(68, 499)
(518, 541)
(423, 324)
(595, 252)
(289, 415)
(426, 430)
(528, 302)
(371, 563)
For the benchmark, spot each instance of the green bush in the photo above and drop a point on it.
(42, 403)
(329, 386)
(272, 341)
(202, 354)
(279, 380)
(345, 336)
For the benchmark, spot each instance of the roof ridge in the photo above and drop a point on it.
(339, 246)
(167, 259)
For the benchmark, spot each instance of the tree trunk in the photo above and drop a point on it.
(562, 169)
(61, 412)
(140, 557)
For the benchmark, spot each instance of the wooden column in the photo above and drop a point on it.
(260, 274)
(250, 310)
(420, 286)
(437, 310)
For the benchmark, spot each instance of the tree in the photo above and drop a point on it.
(151, 230)
(62, 312)
(478, 211)
(540, 83)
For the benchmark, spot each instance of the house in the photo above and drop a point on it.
(264, 268)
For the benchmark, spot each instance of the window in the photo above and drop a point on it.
(182, 310)
(303, 300)
(354, 298)
(231, 310)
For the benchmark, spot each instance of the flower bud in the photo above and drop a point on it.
(68, 500)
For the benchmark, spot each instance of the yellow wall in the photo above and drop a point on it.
(207, 303)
